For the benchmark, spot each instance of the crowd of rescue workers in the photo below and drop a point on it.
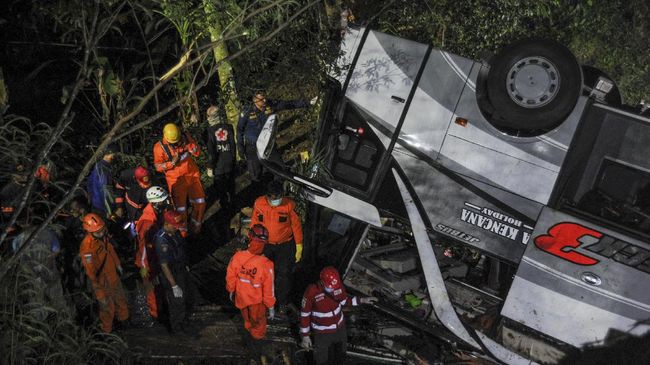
(156, 220)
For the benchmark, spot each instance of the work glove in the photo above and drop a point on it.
(192, 148)
(271, 313)
(368, 300)
(298, 253)
(306, 343)
(144, 272)
(209, 172)
(313, 101)
(178, 292)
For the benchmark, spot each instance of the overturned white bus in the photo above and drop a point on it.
(509, 196)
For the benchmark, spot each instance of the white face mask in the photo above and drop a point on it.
(275, 202)
(328, 290)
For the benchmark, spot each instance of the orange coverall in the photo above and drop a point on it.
(101, 263)
(184, 178)
(282, 221)
(250, 278)
(146, 228)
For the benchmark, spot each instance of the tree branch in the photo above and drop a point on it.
(111, 135)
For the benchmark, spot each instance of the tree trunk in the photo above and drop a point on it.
(4, 94)
(220, 51)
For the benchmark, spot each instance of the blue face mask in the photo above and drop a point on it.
(328, 290)
(275, 202)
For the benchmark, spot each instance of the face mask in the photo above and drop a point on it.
(275, 202)
(328, 290)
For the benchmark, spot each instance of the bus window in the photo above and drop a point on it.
(614, 184)
(356, 152)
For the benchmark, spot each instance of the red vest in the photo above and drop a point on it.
(322, 312)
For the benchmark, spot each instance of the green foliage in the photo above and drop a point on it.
(37, 328)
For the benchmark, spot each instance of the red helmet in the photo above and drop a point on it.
(330, 278)
(93, 223)
(174, 218)
(258, 237)
(260, 232)
(141, 175)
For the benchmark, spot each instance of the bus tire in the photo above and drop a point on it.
(533, 85)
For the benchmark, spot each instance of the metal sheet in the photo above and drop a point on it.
(578, 280)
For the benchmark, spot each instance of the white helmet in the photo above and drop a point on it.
(156, 194)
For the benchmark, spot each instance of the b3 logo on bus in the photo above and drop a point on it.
(563, 238)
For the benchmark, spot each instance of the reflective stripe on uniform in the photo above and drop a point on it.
(305, 314)
(181, 209)
(355, 302)
(304, 329)
(333, 313)
(132, 203)
(325, 328)
(249, 282)
(197, 201)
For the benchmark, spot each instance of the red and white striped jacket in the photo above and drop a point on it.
(322, 312)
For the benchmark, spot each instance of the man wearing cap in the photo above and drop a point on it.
(249, 280)
(221, 157)
(170, 249)
(321, 314)
(278, 215)
(173, 156)
(104, 200)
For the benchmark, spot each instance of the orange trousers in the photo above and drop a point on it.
(182, 188)
(152, 302)
(255, 320)
(112, 294)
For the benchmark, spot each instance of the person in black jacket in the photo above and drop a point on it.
(132, 186)
(221, 154)
(250, 124)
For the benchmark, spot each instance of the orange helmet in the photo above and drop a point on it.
(330, 278)
(93, 223)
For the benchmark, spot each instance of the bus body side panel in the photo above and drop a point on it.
(527, 167)
(576, 281)
(349, 47)
(383, 77)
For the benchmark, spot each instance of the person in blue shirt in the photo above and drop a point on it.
(250, 125)
(101, 186)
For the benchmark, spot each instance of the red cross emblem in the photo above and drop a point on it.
(221, 134)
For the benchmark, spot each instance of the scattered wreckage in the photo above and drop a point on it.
(501, 206)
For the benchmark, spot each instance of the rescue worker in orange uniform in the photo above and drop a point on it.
(102, 267)
(173, 156)
(145, 258)
(321, 313)
(278, 215)
(249, 280)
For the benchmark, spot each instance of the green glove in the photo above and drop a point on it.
(298, 253)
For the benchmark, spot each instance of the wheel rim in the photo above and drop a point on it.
(533, 82)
